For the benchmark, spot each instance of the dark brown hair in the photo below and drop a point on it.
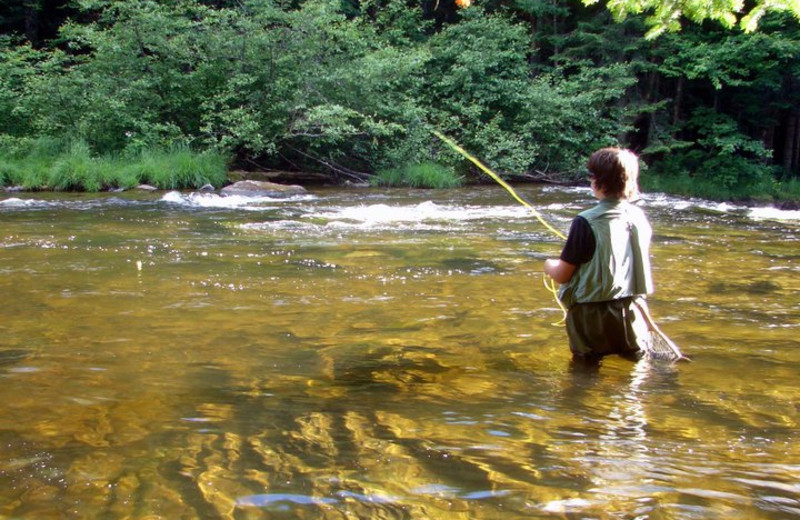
(615, 172)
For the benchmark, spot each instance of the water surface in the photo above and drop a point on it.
(383, 354)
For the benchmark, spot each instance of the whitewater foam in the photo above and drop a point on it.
(15, 202)
(377, 215)
(774, 214)
(213, 200)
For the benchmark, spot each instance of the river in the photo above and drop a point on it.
(379, 353)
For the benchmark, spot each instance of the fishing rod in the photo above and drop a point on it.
(500, 181)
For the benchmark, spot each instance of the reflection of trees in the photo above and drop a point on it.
(349, 441)
(386, 429)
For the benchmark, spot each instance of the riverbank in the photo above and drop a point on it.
(43, 165)
(50, 165)
(311, 180)
(784, 194)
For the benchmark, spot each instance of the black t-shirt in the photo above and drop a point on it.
(581, 244)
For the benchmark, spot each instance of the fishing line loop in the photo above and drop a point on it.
(549, 283)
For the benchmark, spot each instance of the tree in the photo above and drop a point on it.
(666, 16)
(353, 87)
(37, 21)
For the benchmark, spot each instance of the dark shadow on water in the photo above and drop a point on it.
(471, 265)
(393, 368)
(12, 356)
(756, 287)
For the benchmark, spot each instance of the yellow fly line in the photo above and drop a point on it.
(549, 283)
(500, 181)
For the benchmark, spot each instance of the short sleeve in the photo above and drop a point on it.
(580, 245)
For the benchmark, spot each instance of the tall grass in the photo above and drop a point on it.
(47, 163)
(25, 162)
(764, 190)
(421, 175)
(178, 167)
(788, 190)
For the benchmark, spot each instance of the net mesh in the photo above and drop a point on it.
(654, 343)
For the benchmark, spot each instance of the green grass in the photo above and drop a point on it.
(788, 190)
(178, 167)
(421, 175)
(52, 164)
(767, 190)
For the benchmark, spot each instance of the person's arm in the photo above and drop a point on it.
(559, 270)
(579, 249)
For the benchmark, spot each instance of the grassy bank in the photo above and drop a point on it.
(53, 164)
(69, 165)
(421, 175)
(768, 191)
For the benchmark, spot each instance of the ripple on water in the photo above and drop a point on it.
(279, 499)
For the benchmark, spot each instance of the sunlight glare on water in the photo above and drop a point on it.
(383, 354)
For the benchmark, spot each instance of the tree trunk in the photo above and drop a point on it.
(796, 160)
(32, 22)
(676, 103)
(791, 143)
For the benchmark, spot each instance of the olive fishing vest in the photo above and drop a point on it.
(620, 266)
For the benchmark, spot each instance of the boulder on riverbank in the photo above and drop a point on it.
(280, 177)
(262, 189)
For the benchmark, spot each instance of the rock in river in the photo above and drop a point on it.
(262, 189)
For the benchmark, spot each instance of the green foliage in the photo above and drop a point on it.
(177, 168)
(726, 59)
(728, 91)
(77, 170)
(58, 164)
(17, 70)
(26, 162)
(666, 16)
(578, 112)
(353, 88)
(787, 190)
(420, 175)
(721, 163)
(477, 87)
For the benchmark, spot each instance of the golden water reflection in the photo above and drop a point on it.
(262, 364)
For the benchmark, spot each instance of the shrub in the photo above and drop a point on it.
(787, 189)
(70, 166)
(179, 168)
(719, 162)
(420, 175)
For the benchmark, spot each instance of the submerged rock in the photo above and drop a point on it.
(13, 355)
(756, 287)
(262, 189)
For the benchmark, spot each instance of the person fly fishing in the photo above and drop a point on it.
(604, 267)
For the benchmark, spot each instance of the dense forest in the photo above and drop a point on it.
(350, 90)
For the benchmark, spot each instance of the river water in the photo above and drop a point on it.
(383, 354)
